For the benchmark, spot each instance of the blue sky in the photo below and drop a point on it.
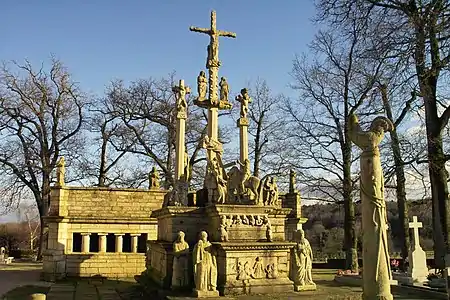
(103, 40)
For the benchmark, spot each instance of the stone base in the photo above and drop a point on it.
(355, 280)
(307, 287)
(258, 286)
(404, 278)
(205, 294)
(237, 264)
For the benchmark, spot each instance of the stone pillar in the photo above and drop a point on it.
(242, 123)
(102, 242)
(119, 242)
(134, 242)
(85, 241)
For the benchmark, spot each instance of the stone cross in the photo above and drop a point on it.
(213, 64)
(414, 225)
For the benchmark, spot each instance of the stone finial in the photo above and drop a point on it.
(60, 172)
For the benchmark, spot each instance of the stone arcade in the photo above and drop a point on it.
(240, 226)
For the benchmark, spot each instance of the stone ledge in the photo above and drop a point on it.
(254, 246)
(108, 189)
(96, 220)
(355, 280)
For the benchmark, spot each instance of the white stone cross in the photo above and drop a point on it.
(415, 226)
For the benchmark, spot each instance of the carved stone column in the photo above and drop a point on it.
(85, 241)
(134, 242)
(242, 123)
(119, 242)
(102, 242)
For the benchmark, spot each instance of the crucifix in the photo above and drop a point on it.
(414, 225)
(213, 64)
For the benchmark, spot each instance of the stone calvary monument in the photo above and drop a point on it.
(237, 226)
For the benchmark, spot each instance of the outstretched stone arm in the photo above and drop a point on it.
(357, 135)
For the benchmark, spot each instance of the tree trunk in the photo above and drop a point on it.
(438, 179)
(43, 202)
(102, 172)
(350, 239)
(257, 150)
(401, 181)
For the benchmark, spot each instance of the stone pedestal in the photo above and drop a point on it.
(253, 267)
(246, 263)
(418, 270)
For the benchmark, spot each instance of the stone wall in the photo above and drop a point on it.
(111, 265)
(99, 229)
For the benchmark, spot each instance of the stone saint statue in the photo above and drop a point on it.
(205, 266)
(180, 274)
(245, 174)
(273, 191)
(303, 258)
(186, 165)
(376, 271)
(60, 171)
(153, 179)
(201, 86)
(180, 94)
(292, 176)
(224, 89)
(244, 99)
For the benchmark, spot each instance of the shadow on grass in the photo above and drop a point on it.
(24, 292)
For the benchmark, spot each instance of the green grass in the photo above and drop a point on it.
(24, 292)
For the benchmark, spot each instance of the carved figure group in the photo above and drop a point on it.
(205, 266)
(180, 274)
(303, 257)
(215, 182)
(153, 179)
(270, 191)
(245, 100)
(223, 229)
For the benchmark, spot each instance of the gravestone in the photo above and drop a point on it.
(418, 270)
(2, 254)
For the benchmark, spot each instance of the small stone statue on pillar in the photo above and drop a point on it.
(60, 172)
(224, 89)
(201, 86)
(180, 93)
(292, 175)
(153, 179)
(245, 100)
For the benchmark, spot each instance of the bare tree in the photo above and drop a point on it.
(266, 128)
(146, 110)
(40, 116)
(332, 87)
(416, 33)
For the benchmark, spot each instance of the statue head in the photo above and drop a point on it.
(202, 73)
(300, 234)
(180, 236)
(381, 124)
(222, 79)
(204, 236)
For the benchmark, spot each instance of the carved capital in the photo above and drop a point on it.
(181, 115)
(242, 122)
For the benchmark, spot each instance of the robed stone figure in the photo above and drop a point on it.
(205, 266)
(180, 273)
(303, 257)
(376, 270)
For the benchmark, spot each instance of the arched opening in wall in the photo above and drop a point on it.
(142, 243)
(76, 242)
(93, 242)
(110, 242)
(126, 243)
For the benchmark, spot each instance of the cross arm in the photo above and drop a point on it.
(198, 29)
(227, 33)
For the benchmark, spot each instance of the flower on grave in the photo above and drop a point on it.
(395, 263)
(340, 273)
